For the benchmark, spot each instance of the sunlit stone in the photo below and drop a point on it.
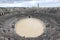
(29, 27)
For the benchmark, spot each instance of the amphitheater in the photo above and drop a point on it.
(50, 17)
